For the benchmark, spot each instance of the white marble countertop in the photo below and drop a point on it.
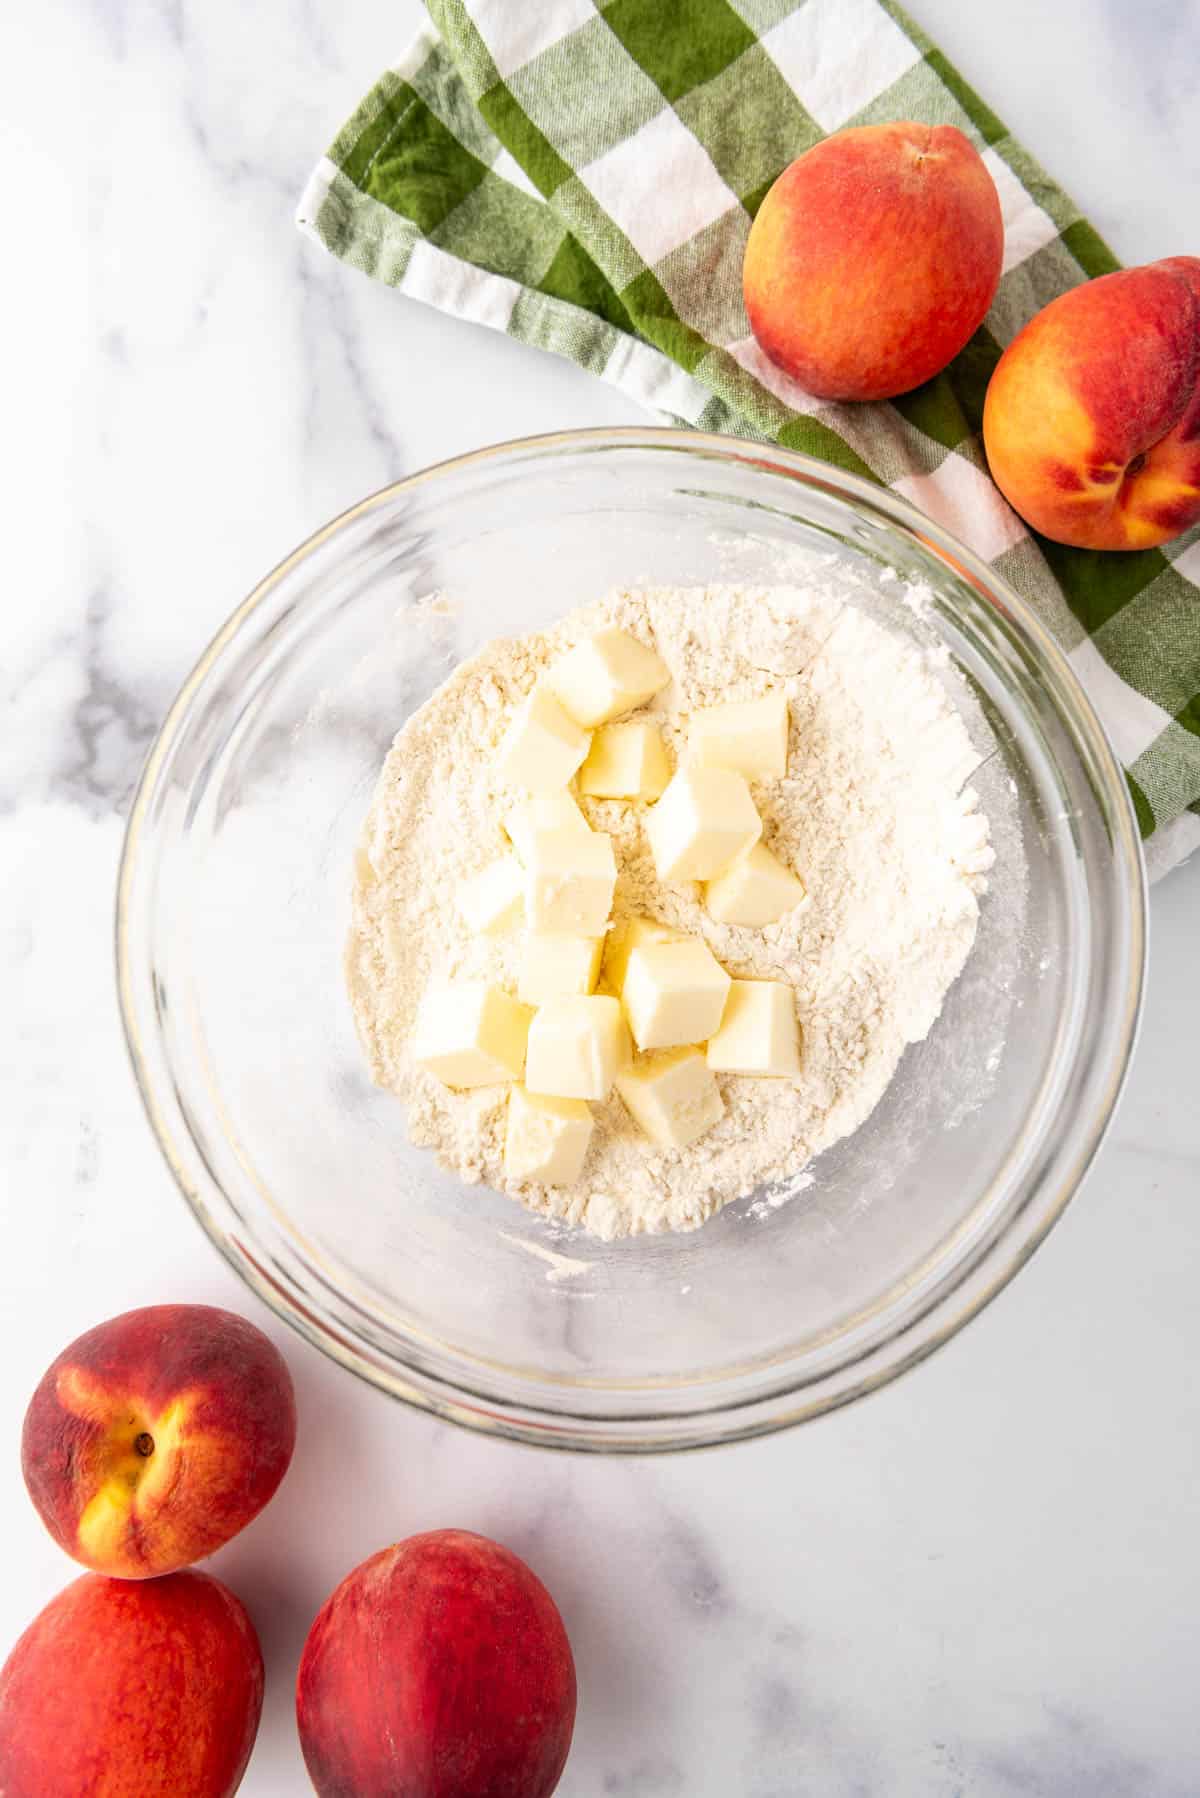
(984, 1580)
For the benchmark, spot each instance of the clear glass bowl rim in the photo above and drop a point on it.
(980, 1279)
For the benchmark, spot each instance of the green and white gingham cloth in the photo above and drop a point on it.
(582, 174)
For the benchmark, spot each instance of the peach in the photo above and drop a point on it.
(122, 1690)
(1092, 416)
(873, 258)
(156, 1436)
(439, 1668)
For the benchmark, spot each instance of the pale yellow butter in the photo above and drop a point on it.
(759, 1033)
(553, 963)
(577, 1046)
(626, 761)
(704, 820)
(605, 675)
(555, 810)
(674, 993)
(570, 876)
(748, 735)
(546, 1139)
(673, 1096)
(543, 745)
(627, 936)
(471, 1034)
(495, 899)
(756, 889)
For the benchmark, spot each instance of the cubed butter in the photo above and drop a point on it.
(570, 878)
(543, 745)
(605, 675)
(577, 1047)
(756, 889)
(759, 1033)
(673, 1096)
(495, 899)
(625, 761)
(541, 811)
(748, 735)
(546, 1139)
(471, 1034)
(627, 936)
(553, 964)
(674, 993)
(704, 820)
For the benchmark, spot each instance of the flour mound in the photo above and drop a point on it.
(875, 815)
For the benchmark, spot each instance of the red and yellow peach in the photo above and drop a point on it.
(1092, 417)
(155, 1437)
(873, 259)
(439, 1668)
(123, 1689)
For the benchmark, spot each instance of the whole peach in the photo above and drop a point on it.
(1092, 417)
(156, 1436)
(439, 1668)
(124, 1690)
(873, 258)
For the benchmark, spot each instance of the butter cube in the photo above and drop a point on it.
(471, 1034)
(577, 1046)
(628, 936)
(494, 900)
(543, 745)
(750, 736)
(759, 1033)
(605, 675)
(674, 993)
(570, 878)
(673, 1096)
(542, 811)
(756, 890)
(552, 964)
(704, 820)
(546, 1139)
(626, 761)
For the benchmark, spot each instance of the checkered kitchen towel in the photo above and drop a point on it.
(583, 176)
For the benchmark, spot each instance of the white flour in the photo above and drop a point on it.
(874, 815)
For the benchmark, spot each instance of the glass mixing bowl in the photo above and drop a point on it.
(233, 905)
